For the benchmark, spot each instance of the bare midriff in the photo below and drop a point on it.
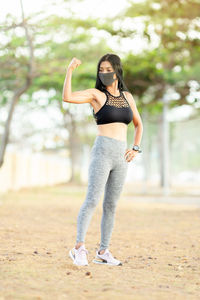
(114, 130)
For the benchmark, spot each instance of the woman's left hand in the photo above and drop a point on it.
(130, 154)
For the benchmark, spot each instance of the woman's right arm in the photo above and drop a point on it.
(85, 96)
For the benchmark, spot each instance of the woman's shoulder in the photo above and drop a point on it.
(96, 91)
(99, 94)
(99, 91)
(129, 98)
(126, 92)
(129, 95)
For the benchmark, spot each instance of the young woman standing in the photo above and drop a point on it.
(113, 109)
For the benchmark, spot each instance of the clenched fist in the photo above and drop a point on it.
(75, 62)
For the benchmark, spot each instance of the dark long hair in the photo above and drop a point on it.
(115, 61)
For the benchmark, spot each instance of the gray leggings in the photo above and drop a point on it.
(107, 169)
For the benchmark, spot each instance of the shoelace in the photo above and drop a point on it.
(83, 252)
(109, 255)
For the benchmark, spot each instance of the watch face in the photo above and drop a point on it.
(136, 147)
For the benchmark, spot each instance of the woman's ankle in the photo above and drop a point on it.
(78, 245)
(101, 251)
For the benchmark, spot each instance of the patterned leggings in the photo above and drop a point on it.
(107, 171)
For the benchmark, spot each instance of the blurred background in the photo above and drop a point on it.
(44, 141)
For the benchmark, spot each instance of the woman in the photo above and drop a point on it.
(113, 109)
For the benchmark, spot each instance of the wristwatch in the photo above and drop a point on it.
(137, 148)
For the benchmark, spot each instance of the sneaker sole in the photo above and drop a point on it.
(72, 257)
(103, 262)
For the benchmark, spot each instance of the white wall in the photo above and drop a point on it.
(22, 169)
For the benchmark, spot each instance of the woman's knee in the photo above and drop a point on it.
(89, 204)
(109, 207)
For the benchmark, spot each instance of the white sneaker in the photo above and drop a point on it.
(79, 256)
(106, 259)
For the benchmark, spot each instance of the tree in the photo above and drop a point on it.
(167, 68)
(50, 62)
(17, 81)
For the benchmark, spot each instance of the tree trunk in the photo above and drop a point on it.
(164, 149)
(19, 91)
(73, 150)
(5, 137)
(146, 151)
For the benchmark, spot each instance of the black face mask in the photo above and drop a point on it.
(107, 78)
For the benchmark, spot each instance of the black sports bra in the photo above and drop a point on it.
(115, 109)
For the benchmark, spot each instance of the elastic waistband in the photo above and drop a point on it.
(112, 141)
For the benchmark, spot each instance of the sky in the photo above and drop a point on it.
(84, 9)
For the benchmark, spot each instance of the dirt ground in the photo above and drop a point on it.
(158, 244)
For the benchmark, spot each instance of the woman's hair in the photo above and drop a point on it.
(115, 61)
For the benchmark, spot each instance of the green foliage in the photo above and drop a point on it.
(148, 75)
(176, 58)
